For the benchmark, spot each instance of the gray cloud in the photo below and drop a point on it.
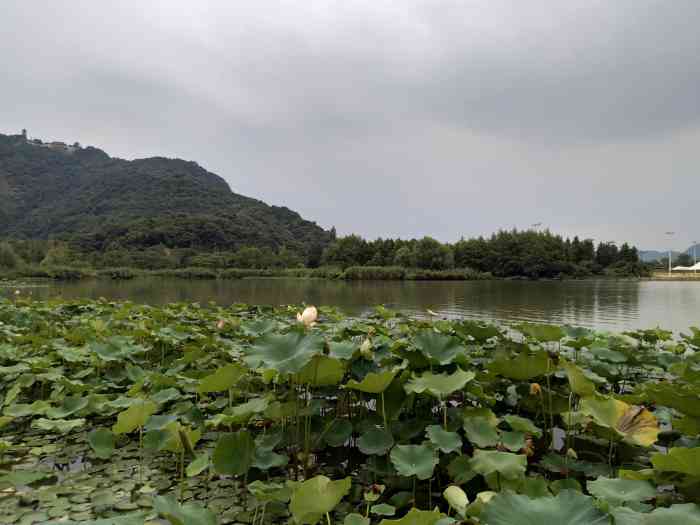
(385, 118)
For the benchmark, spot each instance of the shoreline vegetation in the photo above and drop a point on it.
(245, 414)
(505, 255)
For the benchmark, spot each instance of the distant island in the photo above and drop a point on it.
(68, 211)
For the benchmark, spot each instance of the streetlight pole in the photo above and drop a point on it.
(695, 256)
(669, 252)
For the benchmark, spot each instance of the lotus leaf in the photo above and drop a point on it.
(20, 478)
(439, 385)
(71, 405)
(338, 433)
(510, 466)
(579, 383)
(102, 442)
(313, 498)
(58, 425)
(383, 509)
(373, 383)
(37, 408)
(188, 514)
(633, 423)
(266, 492)
(356, 519)
(444, 440)
(342, 349)
(321, 371)
(414, 460)
(287, 353)
(134, 417)
(197, 465)
(522, 424)
(566, 508)
(375, 441)
(619, 491)
(523, 367)
(678, 459)
(222, 379)
(267, 459)
(481, 432)
(544, 333)
(683, 514)
(438, 348)
(416, 517)
(234, 453)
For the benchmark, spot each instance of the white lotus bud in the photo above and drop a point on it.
(308, 316)
(457, 499)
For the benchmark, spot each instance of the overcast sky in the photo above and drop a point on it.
(402, 118)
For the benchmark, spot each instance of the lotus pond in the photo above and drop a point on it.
(117, 413)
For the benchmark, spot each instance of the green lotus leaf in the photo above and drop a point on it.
(135, 518)
(523, 367)
(683, 514)
(564, 484)
(234, 453)
(321, 371)
(243, 412)
(159, 422)
(383, 509)
(375, 441)
(116, 348)
(579, 383)
(157, 439)
(522, 424)
(444, 440)
(313, 498)
(566, 508)
(188, 514)
(5, 420)
(267, 492)
(510, 466)
(478, 330)
(618, 491)
(176, 434)
(634, 424)
(438, 385)
(70, 406)
(134, 417)
(678, 459)
(37, 408)
(513, 441)
(414, 460)
(481, 432)
(356, 519)
(165, 395)
(58, 425)
(19, 478)
(373, 383)
(222, 379)
(416, 517)
(197, 465)
(544, 333)
(338, 433)
(285, 353)
(342, 350)
(456, 498)
(267, 459)
(438, 348)
(102, 442)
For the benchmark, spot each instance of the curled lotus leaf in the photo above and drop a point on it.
(187, 514)
(416, 517)
(678, 459)
(285, 353)
(373, 383)
(438, 385)
(313, 498)
(456, 498)
(566, 508)
(439, 348)
(134, 417)
(266, 492)
(634, 424)
(222, 379)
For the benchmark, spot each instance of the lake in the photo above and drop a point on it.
(600, 304)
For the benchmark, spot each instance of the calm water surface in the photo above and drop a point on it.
(611, 305)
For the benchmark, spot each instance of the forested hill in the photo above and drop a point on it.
(82, 194)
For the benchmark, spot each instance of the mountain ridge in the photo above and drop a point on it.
(53, 190)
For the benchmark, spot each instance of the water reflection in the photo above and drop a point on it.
(614, 305)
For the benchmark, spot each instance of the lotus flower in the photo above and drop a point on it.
(535, 389)
(220, 325)
(17, 292)
(308, 316)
